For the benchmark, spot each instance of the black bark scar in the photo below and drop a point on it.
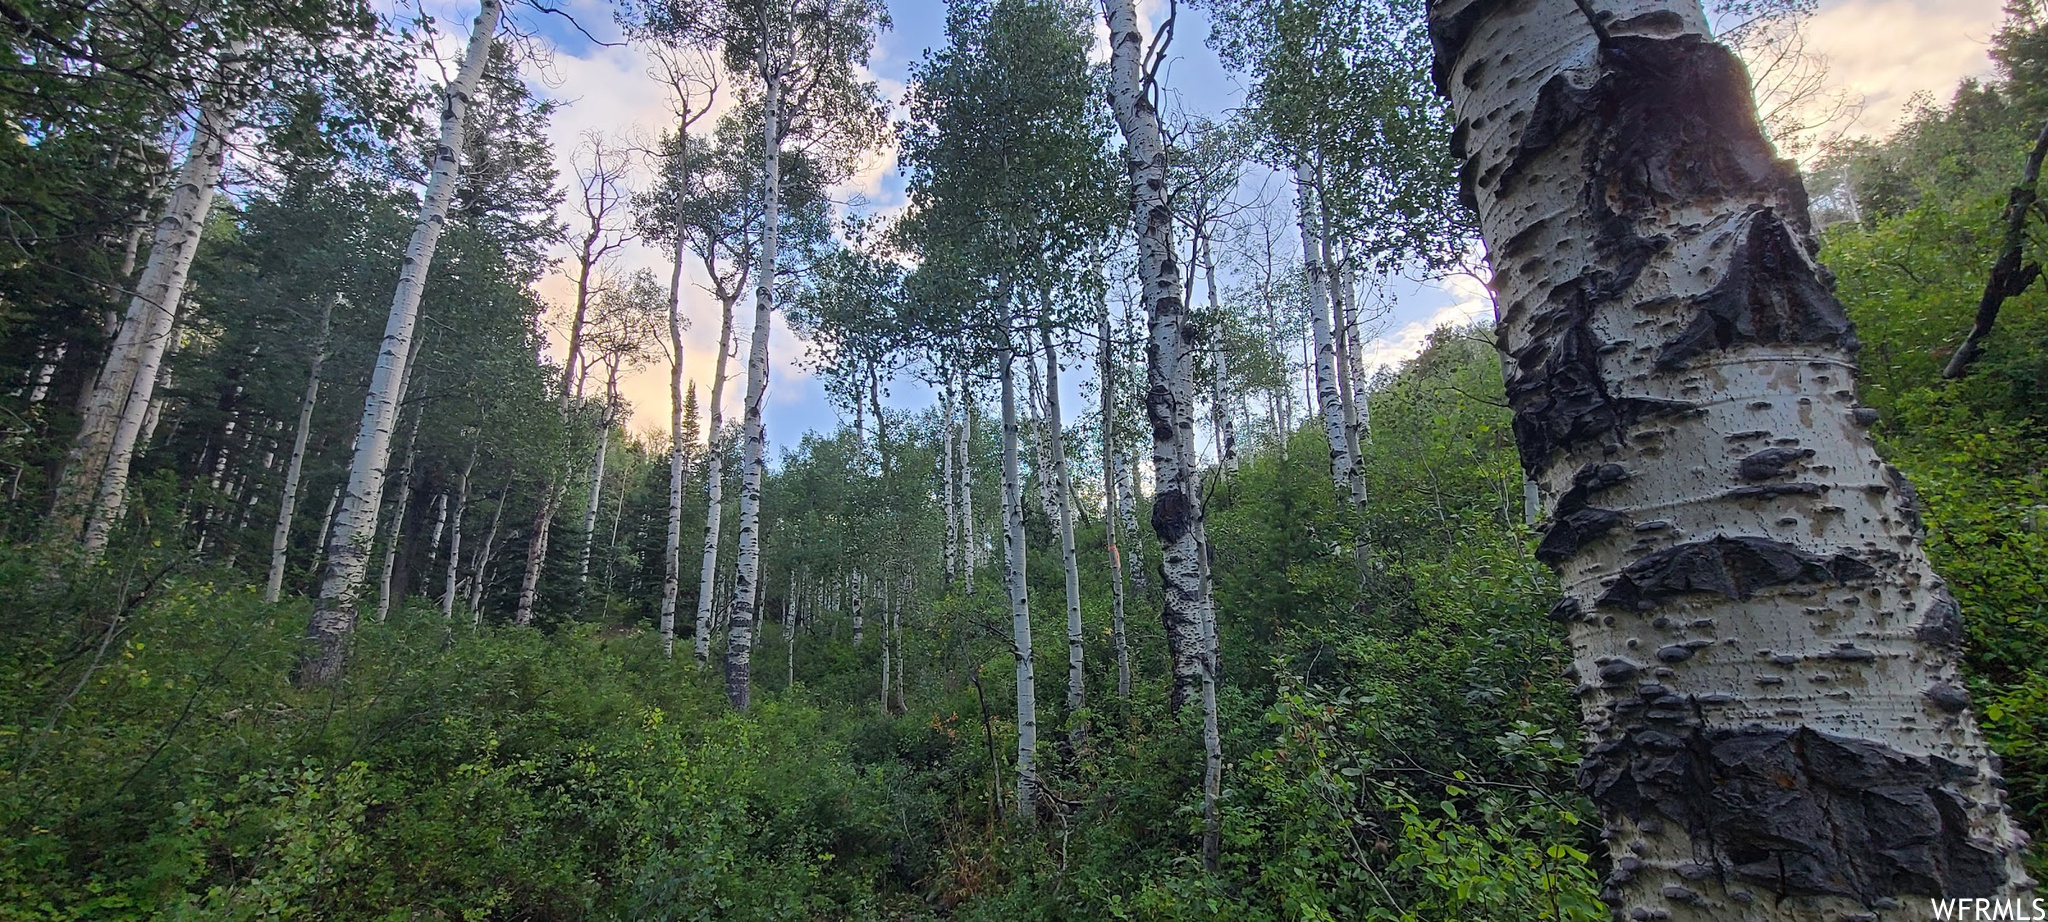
(1734, 568)
(1801, 812)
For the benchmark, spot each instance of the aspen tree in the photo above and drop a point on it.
(1776, 729)
(334, 612)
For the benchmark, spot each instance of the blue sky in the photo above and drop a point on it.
(1883, 50)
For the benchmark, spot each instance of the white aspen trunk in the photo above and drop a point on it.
(789, 622)
(1127, 508)
(288, 498)
(903, 595)
(537, 551)
(449, 586)
(859, 600)
(398, 511)
(1041, 458)
(1219, 405)
(1329, 398)
(95, 487)
(969, 543)
(326, 529)
(1347, 382)
(480, 572)
(604, 441)
(1110, 479)
(1056, 447)
(678, 455)
(334, 613)
(1169, 396)
(949, 557)
(39, 386)
(888, 638)
(740, 637)
(440, 525)
(1775, 724)
(714, 489)
(1020, 602)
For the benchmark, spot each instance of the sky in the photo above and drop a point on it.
(1884, 52)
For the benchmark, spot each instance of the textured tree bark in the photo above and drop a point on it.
(455, 538)
(440, 510)
(1110, 479)
(740, 637)
(1767, 664)
(122, 396)
(1020, 601)
(288, 498)
(1329, 395)
(714, 489)
(1170, 378)
(334, 612)
(326, 530)
(1056, 447)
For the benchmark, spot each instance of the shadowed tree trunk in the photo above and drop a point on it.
(1767, 663)
(288, 498)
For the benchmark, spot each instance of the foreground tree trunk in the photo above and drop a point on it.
(970, 546)
(1767, 663)
(288, 498)
(1019, 592)
(334, 612)
(740, 637)
(1169, 372)
(96, 475)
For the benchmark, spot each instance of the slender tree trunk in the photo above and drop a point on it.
(678, 455)
(714, 489)
(440, 510)
(1341, 320)
(1110, 480)
(1219, 405)
(1020, 602)
(455, 537)
(398, 511)
(1170, 386)
(481, 571)
(968, 542)
(1329, 392)
(1056, 447)
(288, 498)
(949, 556)
(604, 441)
(334, 613)
(326, 531)
(93, 494)
(1768, 664)
(537, 550)
(740, 638)
(888, 638)
(1127, 508)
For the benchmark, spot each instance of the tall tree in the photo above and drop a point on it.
(334, 613)
(808, 56)
(1169, 394)
(1733, 552)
